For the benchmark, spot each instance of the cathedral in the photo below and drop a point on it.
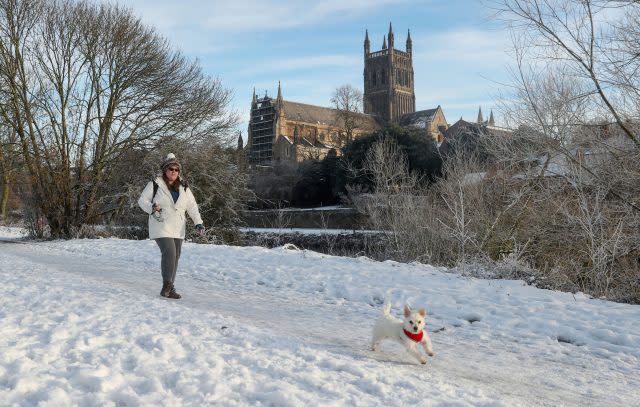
(282, 130)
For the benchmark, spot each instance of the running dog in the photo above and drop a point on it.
(408, 333)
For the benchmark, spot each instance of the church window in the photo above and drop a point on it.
(383, 79)
(373, 78)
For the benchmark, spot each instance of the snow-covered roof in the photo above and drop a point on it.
(418, 119)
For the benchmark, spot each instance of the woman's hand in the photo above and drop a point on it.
(200, 229)
(156, 208)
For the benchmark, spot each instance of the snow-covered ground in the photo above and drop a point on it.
(12, 233)
(83, 324)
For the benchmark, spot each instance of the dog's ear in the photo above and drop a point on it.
(422, 312)
(407, 310)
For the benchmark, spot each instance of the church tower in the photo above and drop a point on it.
(388, 79)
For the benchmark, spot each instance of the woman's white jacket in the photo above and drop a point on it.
(173, 216)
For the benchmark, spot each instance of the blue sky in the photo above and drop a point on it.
(312, 47)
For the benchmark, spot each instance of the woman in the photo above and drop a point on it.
(165, 200)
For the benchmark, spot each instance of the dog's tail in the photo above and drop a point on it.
(387, 309)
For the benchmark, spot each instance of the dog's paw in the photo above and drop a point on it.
(423, 361)
(431, 354)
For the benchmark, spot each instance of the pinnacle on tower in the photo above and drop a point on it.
(240, 141)
(384, 42)
(492, 121)
(367, 44)
(255, 99)
(279, 92)
(409, 42)
(480, 118)
(390, 36)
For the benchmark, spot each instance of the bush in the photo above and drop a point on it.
(315, 187)
(416, 144)
(564, 232)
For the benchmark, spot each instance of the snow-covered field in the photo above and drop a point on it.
(83, 324)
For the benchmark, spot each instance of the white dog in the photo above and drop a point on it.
(409, 332)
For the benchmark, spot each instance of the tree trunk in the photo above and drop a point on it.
(5, 196)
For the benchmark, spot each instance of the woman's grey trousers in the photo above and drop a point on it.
(170, 249)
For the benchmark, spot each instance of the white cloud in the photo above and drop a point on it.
(303, 63)
(209, 27)
(459, 70)
(249, 15)
(449, 65)
(467, 45)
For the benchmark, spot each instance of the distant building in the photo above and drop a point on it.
(388, 79)
(432, 120)
(467, 137)
(389, 87)
(281, 130)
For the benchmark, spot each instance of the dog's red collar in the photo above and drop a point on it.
(414, 337)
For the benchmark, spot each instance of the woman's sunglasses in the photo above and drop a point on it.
(173, 169)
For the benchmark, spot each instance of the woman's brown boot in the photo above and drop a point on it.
(173, 294)
(169, 291)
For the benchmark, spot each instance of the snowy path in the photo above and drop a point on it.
(87, 317)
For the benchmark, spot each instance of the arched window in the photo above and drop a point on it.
(383, 80)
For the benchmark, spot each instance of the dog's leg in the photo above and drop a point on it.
(426, 344)
(413, 350)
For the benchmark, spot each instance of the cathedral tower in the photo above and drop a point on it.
(388, 79)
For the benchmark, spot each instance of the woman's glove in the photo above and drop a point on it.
(200, 229)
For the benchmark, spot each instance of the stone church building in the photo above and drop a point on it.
(282, 130)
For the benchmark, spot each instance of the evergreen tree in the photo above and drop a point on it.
(420, 148)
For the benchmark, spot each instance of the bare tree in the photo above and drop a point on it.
(10, 164)
(574, 83)
(562, 192)
(575, 98)
(347, 101)
(577, 34)
(82, 85)
(397, 203)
